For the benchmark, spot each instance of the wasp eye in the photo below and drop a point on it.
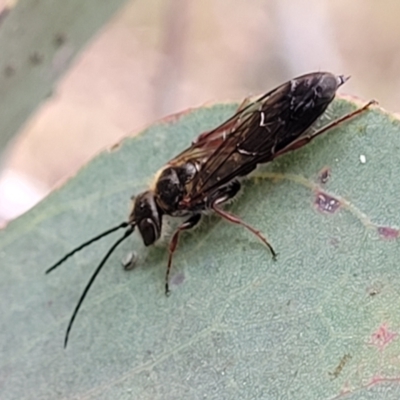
(149, 231)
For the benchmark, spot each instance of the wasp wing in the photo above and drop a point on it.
(261, 130)
(208, 142)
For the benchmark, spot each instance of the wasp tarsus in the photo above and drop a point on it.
(208, 173)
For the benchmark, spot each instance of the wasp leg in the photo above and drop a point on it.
(236, 220)
(303, 140)
(244, 104)
(227, 193)
(190, 223)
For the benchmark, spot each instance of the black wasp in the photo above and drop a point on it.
(208, 173)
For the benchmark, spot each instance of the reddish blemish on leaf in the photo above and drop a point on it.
(178, 279)
(334, 242)
(378, 379)
(324, 175)
(173, 118)
(382, 337)
(326, 203)
(388, 232)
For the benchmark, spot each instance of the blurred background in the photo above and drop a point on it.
(157, 57)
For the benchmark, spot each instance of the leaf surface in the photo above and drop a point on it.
(321, 322)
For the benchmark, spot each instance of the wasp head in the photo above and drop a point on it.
(146, 215)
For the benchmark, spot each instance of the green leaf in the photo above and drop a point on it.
(38, 41)
(320, 322)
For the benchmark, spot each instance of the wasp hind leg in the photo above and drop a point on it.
(190, 223)
(303, 140)
(227, 193)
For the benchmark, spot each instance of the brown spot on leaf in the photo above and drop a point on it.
(388, 233)
(35, 58)
(115, 146)
(343, 361)
(9, 70)
(324, 175)
(375, 289)
(59, 39)
(326, 203)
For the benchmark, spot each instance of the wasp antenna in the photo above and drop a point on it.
(89, 284)
(68, 255)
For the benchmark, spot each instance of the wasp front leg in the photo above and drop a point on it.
(190, 223)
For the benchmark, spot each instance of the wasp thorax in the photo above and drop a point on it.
(171, 186)
(146, 215)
